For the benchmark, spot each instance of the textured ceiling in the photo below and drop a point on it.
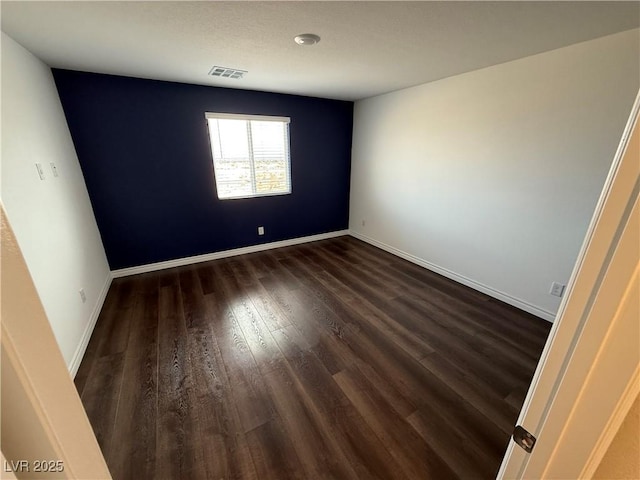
(367, 48)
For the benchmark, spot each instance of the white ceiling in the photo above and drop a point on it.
(367, 48)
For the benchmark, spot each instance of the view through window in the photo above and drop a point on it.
(250, 155)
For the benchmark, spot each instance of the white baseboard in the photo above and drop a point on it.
(152, 267)
(86, 336)
(516, 302)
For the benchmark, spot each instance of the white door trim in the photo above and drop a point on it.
(622, 408)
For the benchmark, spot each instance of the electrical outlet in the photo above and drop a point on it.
(54, 169)
(83, 296)
(557, 289)
(260, 230)
(40, 171)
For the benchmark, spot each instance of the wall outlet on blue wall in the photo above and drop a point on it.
(260, 230)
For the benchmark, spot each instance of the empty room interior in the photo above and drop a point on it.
(315, 240)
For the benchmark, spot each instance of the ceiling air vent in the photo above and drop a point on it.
(226, 72)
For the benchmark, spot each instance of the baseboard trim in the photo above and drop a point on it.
(179, 262)
(86, 336)
(492, 292)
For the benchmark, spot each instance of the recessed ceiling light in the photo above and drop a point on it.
(307, 39)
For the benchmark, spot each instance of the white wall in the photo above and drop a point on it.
(491, 177)
(52, 219)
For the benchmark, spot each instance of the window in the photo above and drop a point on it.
(250, 155)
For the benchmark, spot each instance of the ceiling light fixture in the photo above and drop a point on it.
(307, 39)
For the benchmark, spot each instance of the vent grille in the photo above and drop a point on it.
(226, 72)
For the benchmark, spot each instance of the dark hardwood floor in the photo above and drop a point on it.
(328, 360)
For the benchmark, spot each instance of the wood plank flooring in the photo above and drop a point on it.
(328, 360)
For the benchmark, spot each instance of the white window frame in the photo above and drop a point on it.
(248, 118)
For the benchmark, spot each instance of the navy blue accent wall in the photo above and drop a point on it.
(144, 150)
